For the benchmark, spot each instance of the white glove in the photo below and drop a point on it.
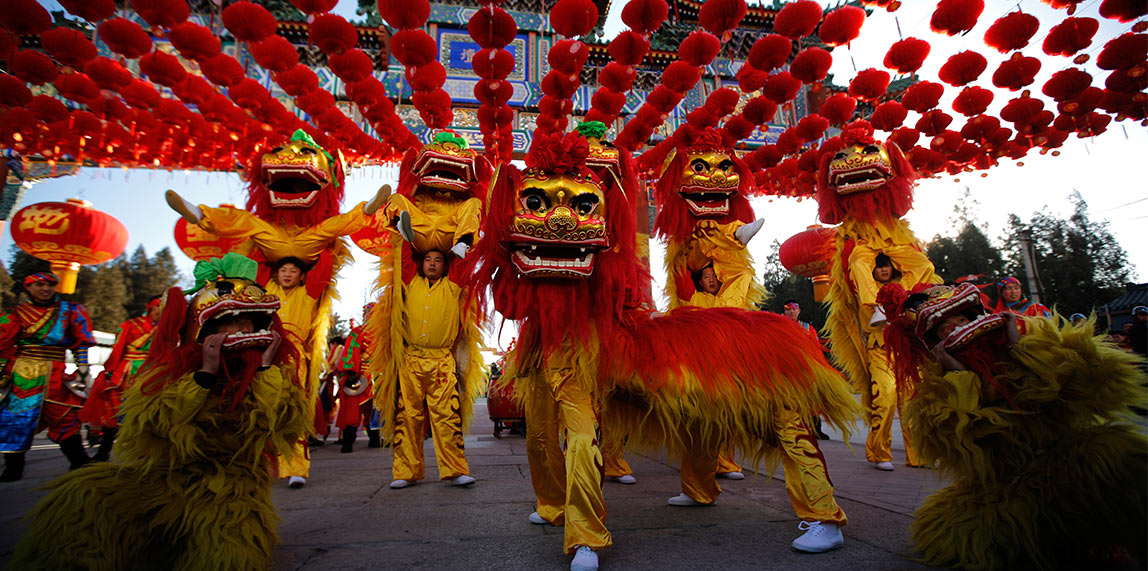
(878, 316)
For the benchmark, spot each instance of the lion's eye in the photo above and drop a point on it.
(699, 166)
(276, 150)
(308, 151)
(224, 288)
(839, 156)
(533, 202)
(585, 204)
(726, 166)
(871, 149)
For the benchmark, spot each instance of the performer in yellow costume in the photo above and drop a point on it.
(297, 309)
(866, 187)
(559, 255)
(294, 193)
(705, 218)
(440, 207)
(190, 485)
(425, 335)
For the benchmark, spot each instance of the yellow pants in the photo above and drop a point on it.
(615, 464)
(297, 463)
(883, 402)
(806, 477)
(437, 225)
(428, 387)
(568, 485)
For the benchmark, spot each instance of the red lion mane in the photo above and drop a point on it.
(891, 201)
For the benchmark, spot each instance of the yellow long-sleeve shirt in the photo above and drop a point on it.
(433, 312)
(297, 311)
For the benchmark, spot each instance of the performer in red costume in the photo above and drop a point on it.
(354, 394)
(1012, 299)
(35, 393)
(133, 339)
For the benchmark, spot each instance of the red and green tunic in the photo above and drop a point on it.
(33, 342)
(355, 362)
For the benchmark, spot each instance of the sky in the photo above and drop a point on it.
(1104, 169)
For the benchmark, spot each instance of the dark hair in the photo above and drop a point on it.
(303, 266)
(337, 340)
(697, 276)
(422, 259)
(883, 261)
(789, 301)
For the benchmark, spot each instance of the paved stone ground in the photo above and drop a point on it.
(347, 519)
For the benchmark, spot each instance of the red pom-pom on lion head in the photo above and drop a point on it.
(704, 179)
(864, 180)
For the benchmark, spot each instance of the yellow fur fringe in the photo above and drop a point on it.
(1060, 481)
(190, 487)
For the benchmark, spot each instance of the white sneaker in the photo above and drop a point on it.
(886, 466)
(624, 479)
(731, 475)
(296, 482)
(404, 226)
(819, 537)
(460, 249)
(537, 519)
(682, 500)
(748, 231)
(397, 484)
(584, 559)
(463, 480)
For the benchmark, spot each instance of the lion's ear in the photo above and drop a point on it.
(666, 162)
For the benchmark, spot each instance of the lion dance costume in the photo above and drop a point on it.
(426, 336)
(558, 253)
(354, 379)
(703, 205)
(294, 192)
(1031, 424)
(866, 187)
(190, 487)
(38, 394)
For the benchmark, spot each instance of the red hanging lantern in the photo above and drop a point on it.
(68, 234)
(809, 254)
(199, 244)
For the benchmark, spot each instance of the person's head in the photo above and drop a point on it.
(792, 310)
(1140, 313)
(41, 287)
(883, 270)
(1010, 289)
(949, 324)
(1118, 337)
(154, 308)
(336, 341)
(1077, 318)
(1127, 327)
(707, 280)
(289, 272)
(434, 265)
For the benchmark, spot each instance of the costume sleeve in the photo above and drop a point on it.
(80, 332)
(9, 334)
(122, 338)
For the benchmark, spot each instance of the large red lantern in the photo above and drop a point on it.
(199, 244)
(809, 254)
(68, 234)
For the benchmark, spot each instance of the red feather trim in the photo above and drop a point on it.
(907, 55)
